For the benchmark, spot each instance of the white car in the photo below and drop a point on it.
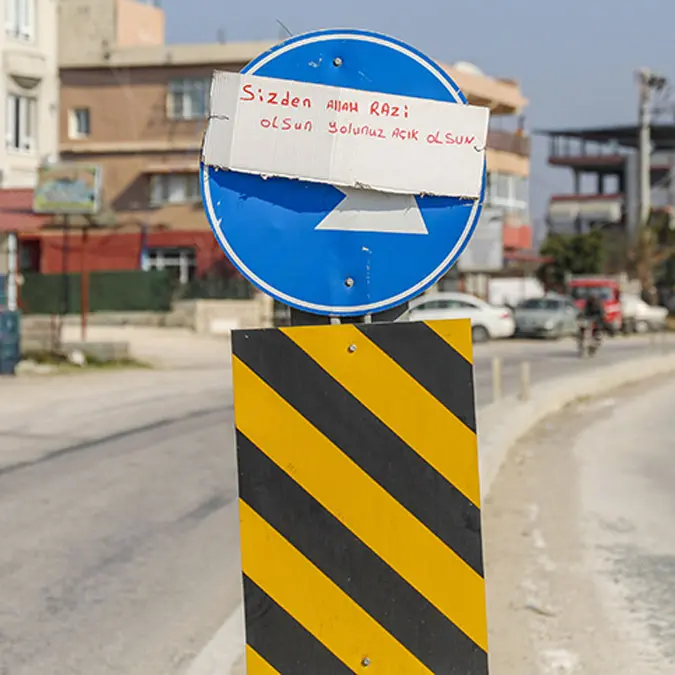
(639, 317)
(487, 321)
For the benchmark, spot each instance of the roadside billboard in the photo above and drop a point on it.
(68, 189)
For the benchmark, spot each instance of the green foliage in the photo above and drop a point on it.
(570, 254)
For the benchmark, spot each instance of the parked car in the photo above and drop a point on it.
(487, 321)
(639, 317)
(553, 316)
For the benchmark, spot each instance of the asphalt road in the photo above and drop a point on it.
(118, 538)
(553, 359)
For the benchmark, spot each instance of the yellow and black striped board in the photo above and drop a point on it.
(360, 499)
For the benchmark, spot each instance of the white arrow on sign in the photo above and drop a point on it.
(371, 211)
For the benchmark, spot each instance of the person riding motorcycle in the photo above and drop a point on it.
(594, 312)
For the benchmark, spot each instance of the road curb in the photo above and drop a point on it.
(221, 654)
(501, 425)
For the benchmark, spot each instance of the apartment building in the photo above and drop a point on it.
(30, 89)
(603, 164)
(508, 167)
(137, 107)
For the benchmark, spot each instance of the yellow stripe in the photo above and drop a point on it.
(313, 600)
(256, 665)
(397, 399)
(457, 333)
(360, 503)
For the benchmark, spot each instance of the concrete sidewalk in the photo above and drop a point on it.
(175, 348)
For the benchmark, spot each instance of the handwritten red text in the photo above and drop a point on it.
(439, 138)
(388, 110)
(343, 106)
(285, 124)
(285, 99)
(406, 134)
(355, 130)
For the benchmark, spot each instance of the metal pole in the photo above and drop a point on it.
(644, 147)
(524, 381)
(84, 285)
(496, 379)
(648, 82)
(12, 248)
(65, 299)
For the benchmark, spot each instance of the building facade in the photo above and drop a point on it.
(30, 90)
(138, 107)
(604, 167)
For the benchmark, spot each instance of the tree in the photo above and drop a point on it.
(654, 246)
(570, 254)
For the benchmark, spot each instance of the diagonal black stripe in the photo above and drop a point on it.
(431, 361)
(352, 566)
(365, 439)
(281, 640)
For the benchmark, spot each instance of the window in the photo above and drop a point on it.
(462, 304)
(508, 192)
(181, 263)
(432, 304)
(174, 188)
(79, 123)
(187, 99)
(584, 292)
(20, 19)
(541, 303)
(20, 134)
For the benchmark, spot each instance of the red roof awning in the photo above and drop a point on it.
(16, 212)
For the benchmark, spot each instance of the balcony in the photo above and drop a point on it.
(565, 211)
(507, 141)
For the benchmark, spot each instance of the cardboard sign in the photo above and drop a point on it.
(345, 137)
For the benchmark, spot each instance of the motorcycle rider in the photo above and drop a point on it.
(595, 313)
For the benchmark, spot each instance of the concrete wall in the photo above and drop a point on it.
(207, 317)
(139, 24)
(219, 317)
(88, 28)
(85, 28)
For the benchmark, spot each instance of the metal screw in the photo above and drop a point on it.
(365, 662)
(337, 62)
(351, 349)
(349, 282)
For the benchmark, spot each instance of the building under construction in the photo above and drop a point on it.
(605, 168)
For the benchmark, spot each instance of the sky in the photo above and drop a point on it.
(575, 59)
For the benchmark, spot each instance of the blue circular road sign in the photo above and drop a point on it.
(271, 228)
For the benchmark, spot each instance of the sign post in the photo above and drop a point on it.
(343, 173)
(71, 189)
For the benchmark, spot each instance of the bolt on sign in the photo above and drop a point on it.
(360, 499)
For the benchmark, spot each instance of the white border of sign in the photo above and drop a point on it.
(360, 309)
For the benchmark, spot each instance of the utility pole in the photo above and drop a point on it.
(648, 82)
